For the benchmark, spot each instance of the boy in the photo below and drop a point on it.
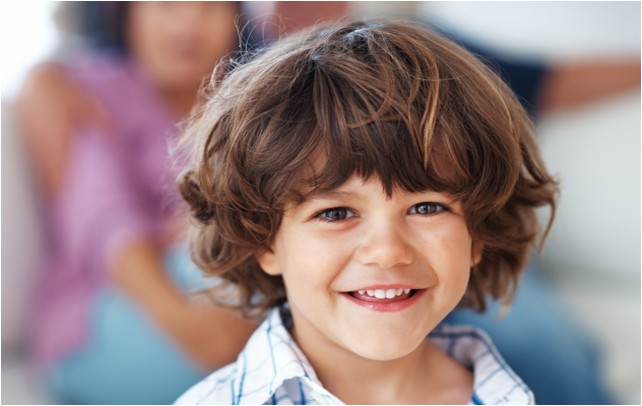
(358, 182)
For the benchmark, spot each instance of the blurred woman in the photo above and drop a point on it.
(112, 321)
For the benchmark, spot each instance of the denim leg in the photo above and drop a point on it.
(127, 359)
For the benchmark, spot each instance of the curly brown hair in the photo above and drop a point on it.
(383, 98)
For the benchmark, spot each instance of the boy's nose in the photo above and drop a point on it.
(386, 247)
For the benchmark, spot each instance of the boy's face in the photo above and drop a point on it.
(368, 274)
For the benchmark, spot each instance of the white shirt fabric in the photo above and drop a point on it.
(272, 369)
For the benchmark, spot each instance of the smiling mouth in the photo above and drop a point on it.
(383, 295)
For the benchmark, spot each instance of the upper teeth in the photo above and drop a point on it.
(384, 293)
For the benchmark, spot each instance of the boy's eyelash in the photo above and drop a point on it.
(334, 214)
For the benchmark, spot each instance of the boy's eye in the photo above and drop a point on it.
(427, 208)
(335, 214)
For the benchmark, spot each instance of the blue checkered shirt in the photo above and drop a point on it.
(271, 369)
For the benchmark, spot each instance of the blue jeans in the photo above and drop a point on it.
(127, 359)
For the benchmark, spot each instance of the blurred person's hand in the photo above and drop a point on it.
(174, 231)
(573, 84)
(50, 107)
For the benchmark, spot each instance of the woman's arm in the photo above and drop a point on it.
(569, 85)
(50, 108)
(211, 336)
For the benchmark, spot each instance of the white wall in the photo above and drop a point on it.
(28, 36)
(555, 30)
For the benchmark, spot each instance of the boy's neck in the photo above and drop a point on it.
(425, 376)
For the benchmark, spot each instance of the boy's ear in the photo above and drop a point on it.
(268, 261)
(476, 252)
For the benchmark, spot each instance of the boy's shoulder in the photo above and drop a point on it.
(272, 369)
(214, 389)
(494, 381)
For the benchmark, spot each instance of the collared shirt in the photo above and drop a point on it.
(272, 369)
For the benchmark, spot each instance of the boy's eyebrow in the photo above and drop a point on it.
(307, 198)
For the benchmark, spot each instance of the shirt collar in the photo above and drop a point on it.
(271, 359)
(494, 382)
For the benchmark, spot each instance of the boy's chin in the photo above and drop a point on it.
(386, 350)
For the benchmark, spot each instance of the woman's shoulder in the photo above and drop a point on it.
(98, 67)
(112, 77)
(121, 88)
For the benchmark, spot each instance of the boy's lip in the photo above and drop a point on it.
(386, 286)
